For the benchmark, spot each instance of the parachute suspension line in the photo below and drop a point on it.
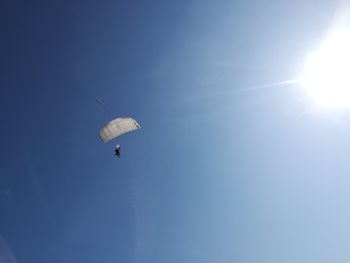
(103, 107)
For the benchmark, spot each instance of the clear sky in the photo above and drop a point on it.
(218, 173)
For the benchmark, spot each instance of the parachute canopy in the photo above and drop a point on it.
(117, 127)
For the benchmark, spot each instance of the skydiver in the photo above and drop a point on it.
(117, 151)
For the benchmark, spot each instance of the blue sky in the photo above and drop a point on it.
(216, 174)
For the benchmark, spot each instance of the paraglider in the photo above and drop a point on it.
(117, 127)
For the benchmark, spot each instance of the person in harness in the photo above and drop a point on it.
(117, 151)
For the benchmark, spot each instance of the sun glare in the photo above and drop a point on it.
(326, 76)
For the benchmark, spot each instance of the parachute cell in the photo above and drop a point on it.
(118, 127)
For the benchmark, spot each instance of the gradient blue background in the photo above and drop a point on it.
(216, 174)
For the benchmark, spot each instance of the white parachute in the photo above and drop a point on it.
(117, 127)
